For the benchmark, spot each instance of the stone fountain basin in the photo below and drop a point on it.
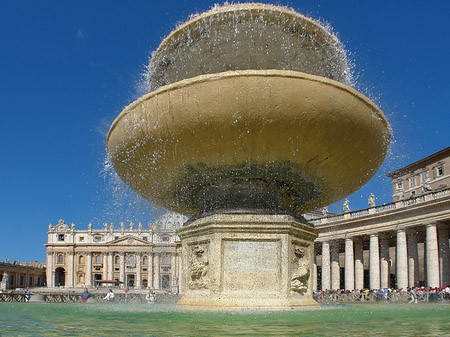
(298, 140)
(247, 36)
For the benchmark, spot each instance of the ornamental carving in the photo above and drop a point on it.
(199, 267)
(300, 270)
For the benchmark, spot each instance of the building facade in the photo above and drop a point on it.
(135, 256)
(399, 244)
(21, 275)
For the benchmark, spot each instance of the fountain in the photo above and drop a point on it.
(250, 122)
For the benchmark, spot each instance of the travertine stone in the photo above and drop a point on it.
(335, 267)
(432, 256)
(374, 262)
(359, 265)
(247, 261)
(413, 258)
(444, 255)
(326, 271)
(402, 260)
(349, 265)
(384, 262)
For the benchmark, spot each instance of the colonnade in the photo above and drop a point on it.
(385, 250)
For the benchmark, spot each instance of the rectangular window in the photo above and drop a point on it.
(425, 176)
(412, 182)
(22, 281)
(60, 237)
(81, 238)
(438, 171)
(399, 186)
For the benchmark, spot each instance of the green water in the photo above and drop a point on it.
(70, 319)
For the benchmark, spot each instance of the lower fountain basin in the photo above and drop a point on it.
(271, 139)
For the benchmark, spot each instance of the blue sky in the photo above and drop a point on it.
(67, 68)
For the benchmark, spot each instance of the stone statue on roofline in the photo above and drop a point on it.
(346, 206)
(371, 200)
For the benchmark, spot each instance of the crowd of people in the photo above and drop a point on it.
(415, 294)
(129, 296)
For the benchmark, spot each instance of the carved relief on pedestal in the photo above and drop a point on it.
(198, 258)
(300, 269)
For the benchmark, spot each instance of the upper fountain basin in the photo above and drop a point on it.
(270, 139)
(247, 36)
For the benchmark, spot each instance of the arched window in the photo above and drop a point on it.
(98, 259)
(116, 259)
(165, 260)
(131, 261)
(60, 259)
(81, 259)
(145, 260)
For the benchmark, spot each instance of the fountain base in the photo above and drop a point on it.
(239, 261)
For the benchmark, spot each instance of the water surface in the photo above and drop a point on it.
(73, 319)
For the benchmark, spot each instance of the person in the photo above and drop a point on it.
(151, 297)
(27, 295)
(129, 296)
(85, 295)
(109, 296)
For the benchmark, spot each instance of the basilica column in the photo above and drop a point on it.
(157, 271)
(326, 265)
(150, 270)
(122, 268)
(401, 259)
(413, 258)
(88, 280)
(359, 265)
(432, 256)
(384, 263)
(335, 268)
(374, 262)
(173, 269)
(110, 265)
(138, 271)
(349, 265)
(444, 255)
(70, 269)
(105, 266)
(49, 272)
(180, 272)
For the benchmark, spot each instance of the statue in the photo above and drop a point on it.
(300, 277)
(122, 226)
(90, 226)
(140, 227)
(325, 211)
(346, 206)
(131, 225)
(72, 226)
(198, 269)
(371, 200)
(111, 226)
(106, 226)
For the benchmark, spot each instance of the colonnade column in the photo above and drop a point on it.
(432, 256)
(122, 268)
(49, 272)
(374, 262)
(88, 279)
(359, 265)
(349, 265)
(325, 265)
(444, 255)
(413, 259)
(401, 259)
(70, 271)
(314, 270)
(150, 271)
(335, 268)
(110, 266)
(384, 263)
(157, 271)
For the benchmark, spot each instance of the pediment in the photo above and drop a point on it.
(129, 240)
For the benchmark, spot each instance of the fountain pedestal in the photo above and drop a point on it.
(247, 261)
